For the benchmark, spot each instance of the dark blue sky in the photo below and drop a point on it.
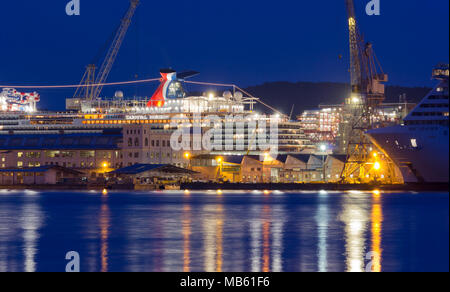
(242, 42)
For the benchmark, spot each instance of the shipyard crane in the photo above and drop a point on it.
(93, 85)
(365, 70)
(367, 94)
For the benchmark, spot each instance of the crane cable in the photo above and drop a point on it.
(79, 85)
(241, 90)
(137, 82)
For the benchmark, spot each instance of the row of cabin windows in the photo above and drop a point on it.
(436, 122)
(421, 114)
(434, 105)
(434, 97)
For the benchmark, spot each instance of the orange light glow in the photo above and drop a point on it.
(377, 223)
(266, 241)
(377, 166)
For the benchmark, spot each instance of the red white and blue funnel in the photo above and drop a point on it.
(169, 77)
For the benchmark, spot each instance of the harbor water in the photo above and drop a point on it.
(224, 231)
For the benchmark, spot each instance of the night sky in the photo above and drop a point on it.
(242, 42)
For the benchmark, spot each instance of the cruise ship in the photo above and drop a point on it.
(169, 103)
(420, 147)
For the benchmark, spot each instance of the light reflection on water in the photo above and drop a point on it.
(355, 217)
(322, 219)
(104, 231)
(224, 231)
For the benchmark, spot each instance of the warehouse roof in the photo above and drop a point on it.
(141, 168)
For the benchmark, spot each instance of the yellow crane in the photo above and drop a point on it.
(367, 94)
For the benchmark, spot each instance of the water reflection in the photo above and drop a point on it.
(32, 220)
(21, 222)
(266, 234)
(219, 238)
(377, 221)
(355, 216)
(266, 239)
(322, 218)
(104, 223)
(255, 235)
(9, 228)
(186, 238)
(213, 237)
(219, 231)
(277, 239)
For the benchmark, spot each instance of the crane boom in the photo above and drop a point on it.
(355, 64)
(111, 56)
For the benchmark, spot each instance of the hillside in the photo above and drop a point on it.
(308, 95)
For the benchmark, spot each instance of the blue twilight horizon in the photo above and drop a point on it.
(241, 42)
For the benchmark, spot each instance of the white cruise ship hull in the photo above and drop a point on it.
(421, 152)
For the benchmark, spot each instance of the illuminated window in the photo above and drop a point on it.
(414, 143)
(20, 154)
(87, 154)
(52, 154)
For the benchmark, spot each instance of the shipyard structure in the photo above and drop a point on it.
(173, 136)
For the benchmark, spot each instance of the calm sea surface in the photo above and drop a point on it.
(229, 231)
